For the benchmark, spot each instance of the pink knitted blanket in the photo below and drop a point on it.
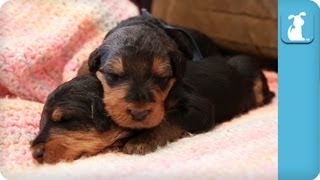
(43, 43)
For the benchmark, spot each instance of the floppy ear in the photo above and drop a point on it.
(57, 114)
(290, 17)
(94, 61)
(43, 120)
(178, 63)
(303, 14)
(101, 120)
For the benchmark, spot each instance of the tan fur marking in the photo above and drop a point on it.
(84, 69)
(117, 107)
(258, 91)
(57, 114)
(116, 66)
(167, 132)
(70, 145)
(160, 67)
(159, 136)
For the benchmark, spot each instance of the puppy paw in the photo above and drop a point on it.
(139, 146)
(149, 141)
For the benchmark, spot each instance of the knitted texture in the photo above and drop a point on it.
(243, 148)
(39, 40)
(44, 42)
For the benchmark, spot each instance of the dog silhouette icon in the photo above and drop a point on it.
(295, 30)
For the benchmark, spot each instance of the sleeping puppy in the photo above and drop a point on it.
(74, 123)
(149, 85)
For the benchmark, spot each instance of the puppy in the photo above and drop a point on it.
(150, 85)
(74, 123)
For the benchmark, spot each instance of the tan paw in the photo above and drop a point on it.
(138, 146)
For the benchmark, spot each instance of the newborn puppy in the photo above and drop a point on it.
(149, 85)
(74, 123)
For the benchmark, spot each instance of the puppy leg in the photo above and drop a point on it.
(149, 140)
(194, 114)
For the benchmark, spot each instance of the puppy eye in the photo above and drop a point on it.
(162, 81)
(112, 77)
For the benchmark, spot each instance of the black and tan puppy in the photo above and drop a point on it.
(149, 85)
(74, 123)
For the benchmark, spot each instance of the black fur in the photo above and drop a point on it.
(214, 90)
(205, 93)
(206, 46)
(81, 105)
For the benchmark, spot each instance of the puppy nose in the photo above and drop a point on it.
(139, 115)
(37, 153)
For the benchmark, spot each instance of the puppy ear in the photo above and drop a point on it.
(178, 63)
(290, 17)
(94, 61)
(101, 121)
(57, 114)
(303, 14)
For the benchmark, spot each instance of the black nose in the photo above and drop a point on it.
(37, 153)
(139, 115)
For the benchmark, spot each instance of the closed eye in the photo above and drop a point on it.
(110, 76)
(165, 78)
(162, 81)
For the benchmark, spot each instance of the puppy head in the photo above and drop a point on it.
(73, 123)
(137, 67)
